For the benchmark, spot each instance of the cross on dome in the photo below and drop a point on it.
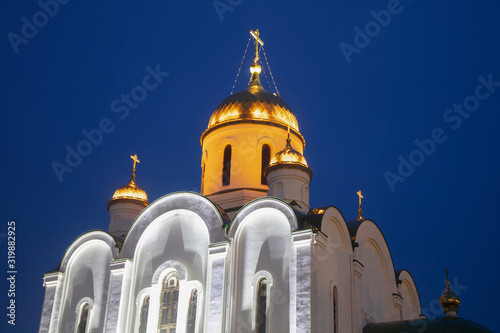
(255, 35)
(360, 212)
(134, 157)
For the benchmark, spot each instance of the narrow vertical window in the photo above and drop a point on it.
(169, 300)
(143, 324)
(203, 179)
(226, 166)
(261, 317)
(193, 304)
(266, 158)
(335, 316)
(84, 316)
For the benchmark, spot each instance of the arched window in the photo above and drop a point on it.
(335, 315)
(193, 304)
(169, 301)
(261, 307)
(266, 158)
(84, 317)
(143, 324)
(226, 166)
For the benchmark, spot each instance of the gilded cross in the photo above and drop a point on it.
(360, 212)
(134, 157)
(255, 35)
(360, 197)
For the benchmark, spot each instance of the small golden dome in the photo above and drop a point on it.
(130, 191)
(449, 300)
(288, 156)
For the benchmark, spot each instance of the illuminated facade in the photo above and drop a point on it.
(248, 254)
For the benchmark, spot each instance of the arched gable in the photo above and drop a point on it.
(86, 269)
(261, 249)
(378, 282)
(265, 202)
(330, 221)
(201, 206)
(177, 240)
(82, 239)
(409, 293)
(333, 263)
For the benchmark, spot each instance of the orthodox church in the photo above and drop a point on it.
(248, 254)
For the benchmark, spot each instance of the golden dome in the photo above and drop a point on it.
(449, 300)
(254, 104)
(130, 191)
(288, 156)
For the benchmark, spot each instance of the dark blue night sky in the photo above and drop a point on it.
(398, 99)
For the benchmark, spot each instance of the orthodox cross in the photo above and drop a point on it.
(360, 197)
(134, 157)
(360, 212)
(255, 35)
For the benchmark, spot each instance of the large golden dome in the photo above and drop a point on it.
(254, 104)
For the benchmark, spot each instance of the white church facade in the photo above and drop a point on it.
(248, 254)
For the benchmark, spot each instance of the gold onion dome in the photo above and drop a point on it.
(254, 104)
(289, 157)
(130, 192)
(449, 300)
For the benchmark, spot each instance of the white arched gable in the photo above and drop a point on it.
(188, 201)
(82, 239)
(333, 261)
(176, 236)
(177, 240)
(261, 248)
(408, 291)
(378, 281)
(334, 227)
(266, 202)
(86, 267)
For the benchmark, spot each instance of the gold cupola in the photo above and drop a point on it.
(127, 202)
(449, 300)
(130, 191)
(254, 104)
(289, 156)
(288, 177)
